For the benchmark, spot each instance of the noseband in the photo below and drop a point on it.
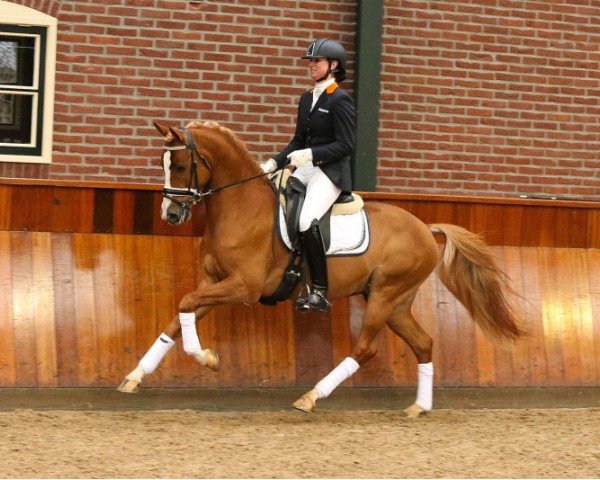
(192, 192)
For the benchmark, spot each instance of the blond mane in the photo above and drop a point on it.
(238, 144)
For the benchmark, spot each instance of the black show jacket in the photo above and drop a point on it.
(328, 130)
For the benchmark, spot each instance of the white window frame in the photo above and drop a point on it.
(39, 150)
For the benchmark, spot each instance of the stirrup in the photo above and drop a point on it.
(315, 300)
(302, 300)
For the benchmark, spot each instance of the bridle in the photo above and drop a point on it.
(192, 193)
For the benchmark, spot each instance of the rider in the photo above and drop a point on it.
(320, 150)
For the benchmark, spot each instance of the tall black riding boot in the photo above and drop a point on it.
(317, 264)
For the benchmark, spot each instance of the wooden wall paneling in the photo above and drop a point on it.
(23, 313)
(83, 307)
(574, 225)
(497, 226)
(511, 262)
(433, 213)
(574, 314)
(65, 314)
(572, 297)
(349, 313)
(402, 362)
(565, 315)
(275, 350)
(107, 309)
(220, 332)
(584, 319)
(85, 301)
(530, 310)
(467, 353)
(449, 343)
(5, 207)
(532, 231)
(7, 325)
(593, 229)
(313, 340)
(486, 364)
(512, 356)
(509, 221)
(593, 258)
(69, 210)
(240, 363)
(143, 215)
(123, 212)
(551, 321)
(104, 200)
(31, 209)
(258, 338)
(503, 354)
(42, 300)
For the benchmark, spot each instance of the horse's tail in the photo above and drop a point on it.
(469, 272)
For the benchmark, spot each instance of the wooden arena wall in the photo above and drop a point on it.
(90, 274)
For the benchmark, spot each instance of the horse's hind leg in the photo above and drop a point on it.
(403, 324)
(379, 309)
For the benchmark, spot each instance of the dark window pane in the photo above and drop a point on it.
(15, 118)
(17, 56)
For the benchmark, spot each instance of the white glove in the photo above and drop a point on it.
(269, 166)
(298, 158)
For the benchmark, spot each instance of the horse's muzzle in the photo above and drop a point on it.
(176, 214)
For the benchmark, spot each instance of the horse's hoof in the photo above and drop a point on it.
(212, 360)
(414, 411)
(208, 358)
(306, 403)
(129, 386)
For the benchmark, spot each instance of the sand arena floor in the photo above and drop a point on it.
(357, 433)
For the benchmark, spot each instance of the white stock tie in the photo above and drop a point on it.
(316, 94)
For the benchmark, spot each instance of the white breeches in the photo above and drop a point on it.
(320, 194)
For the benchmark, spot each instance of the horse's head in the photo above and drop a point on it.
(186, 172)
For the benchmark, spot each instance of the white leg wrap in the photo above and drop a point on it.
(425, 386)
(157, 351)
(344, 370)
(191, 342)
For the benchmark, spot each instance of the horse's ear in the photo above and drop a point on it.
(163, 129)
(177, 134)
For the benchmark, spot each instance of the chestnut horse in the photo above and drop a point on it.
(240, 262)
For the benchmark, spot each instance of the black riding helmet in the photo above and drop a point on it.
(331, 50)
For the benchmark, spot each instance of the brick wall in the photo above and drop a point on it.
(479, 97)
(491, 97)
(123, 63)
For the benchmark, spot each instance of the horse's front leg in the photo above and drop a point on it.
(192, 307)
(232, 290)
(159, 349)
